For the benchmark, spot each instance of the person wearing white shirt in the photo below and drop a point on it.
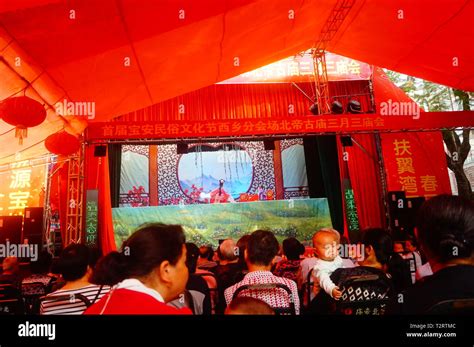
(326, 246)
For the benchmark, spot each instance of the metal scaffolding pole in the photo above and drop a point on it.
(329, 30)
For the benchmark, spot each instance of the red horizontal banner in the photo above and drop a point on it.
(277, 126)
(301, 69)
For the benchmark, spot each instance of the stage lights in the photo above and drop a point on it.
(354, 107)
(336, 107)
(314, 109)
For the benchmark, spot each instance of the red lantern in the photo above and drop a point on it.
(62, 143)
(23, 113)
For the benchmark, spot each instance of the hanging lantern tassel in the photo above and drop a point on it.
(21, 133)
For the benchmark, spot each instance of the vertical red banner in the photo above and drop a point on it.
(416, 163)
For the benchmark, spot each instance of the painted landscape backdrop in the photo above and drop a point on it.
(204, 170)
(207, 223)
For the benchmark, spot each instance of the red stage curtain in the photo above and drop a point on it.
(97, 177)
(244, 101)
(365, 179)
(362, 167)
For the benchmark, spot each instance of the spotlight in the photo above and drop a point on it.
(100, 151)
(182, 148)
(346, 141)
(336, 107)
(354, 107)
(314, 109)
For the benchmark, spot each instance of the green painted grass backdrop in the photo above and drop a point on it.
(207, 223)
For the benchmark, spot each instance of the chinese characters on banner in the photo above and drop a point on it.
(20, 187)
(288, 125)
(301, 69)
(415, 163)
(351, 210)
(92, 215)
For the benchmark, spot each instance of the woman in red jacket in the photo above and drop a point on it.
(149, 271)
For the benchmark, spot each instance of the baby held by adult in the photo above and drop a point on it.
(327, 245)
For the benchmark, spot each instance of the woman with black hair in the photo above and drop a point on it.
(445, 230)
(378, 260)
(197, 289)
(150, 271)
(290, 266)
(75, 265)
(378, 249)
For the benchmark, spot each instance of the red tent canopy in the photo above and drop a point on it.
(128, 54)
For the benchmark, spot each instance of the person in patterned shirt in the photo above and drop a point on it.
(261, 250)
(290, 266)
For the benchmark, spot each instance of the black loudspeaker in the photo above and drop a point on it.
(396, 200)
(403, 213)
(10, 229)
(346, 141)
(413, 205)
(397, 203)
(33, 225)
(182, 148)
(100, 151)
(269, 145)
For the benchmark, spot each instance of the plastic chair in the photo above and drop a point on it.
(276, 289)
(213, 292)
(363, 295)
(10, 300)
(32, 292)
(307, 288)
(410, 259)
(185, 299)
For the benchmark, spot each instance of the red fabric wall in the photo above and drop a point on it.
(250, 101)
(97, 177)
(238, 101)
(363, 171)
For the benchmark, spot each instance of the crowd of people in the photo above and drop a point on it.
(157, 272)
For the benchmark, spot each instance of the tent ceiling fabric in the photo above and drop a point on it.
(429, 39)
(84, 59)
(169, 56)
